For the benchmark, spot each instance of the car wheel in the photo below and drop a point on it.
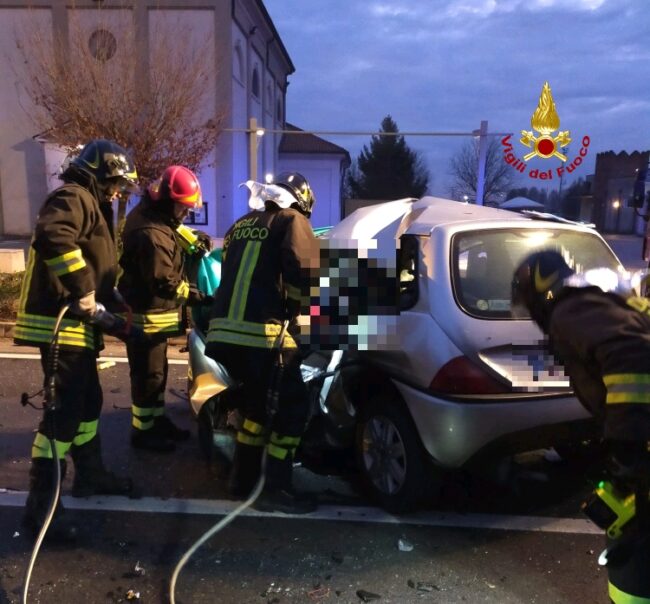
(391, 457)
(582, 452)
(215, 440)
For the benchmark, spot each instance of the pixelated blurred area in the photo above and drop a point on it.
(353, 298)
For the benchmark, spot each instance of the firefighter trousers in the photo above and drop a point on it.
(254, 368)
(79, 399)
(148, 370)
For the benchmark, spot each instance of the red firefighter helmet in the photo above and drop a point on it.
(178, 184)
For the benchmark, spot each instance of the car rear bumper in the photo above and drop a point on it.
(453, 431)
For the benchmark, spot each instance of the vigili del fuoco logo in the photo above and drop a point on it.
(545, 121)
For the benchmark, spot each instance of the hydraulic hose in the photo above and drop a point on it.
(52, 365)
(217, 527)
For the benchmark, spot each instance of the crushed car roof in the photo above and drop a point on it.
(421, 216)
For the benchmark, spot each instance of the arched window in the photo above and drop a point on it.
(255, 83)
(238, 62)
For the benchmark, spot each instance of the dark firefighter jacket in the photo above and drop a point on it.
(264, 276)
(153, 281)
(604, 342)
(72, 253)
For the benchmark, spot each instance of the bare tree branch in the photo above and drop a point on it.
(85, 88)
(464, 170)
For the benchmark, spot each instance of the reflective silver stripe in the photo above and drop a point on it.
(66, 263)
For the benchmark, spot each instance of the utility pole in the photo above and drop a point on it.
(252, 148)
(482, 153)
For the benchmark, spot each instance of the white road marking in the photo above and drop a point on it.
(220, 507)
(29, 356)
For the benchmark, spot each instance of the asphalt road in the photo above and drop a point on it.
(520, 540)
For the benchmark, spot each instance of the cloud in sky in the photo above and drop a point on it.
(447, 65)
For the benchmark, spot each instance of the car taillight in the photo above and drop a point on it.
(462, 376)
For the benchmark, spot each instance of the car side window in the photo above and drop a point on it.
(407, 266)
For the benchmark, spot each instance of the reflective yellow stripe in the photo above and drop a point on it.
(253, 441)
(27, 279)
(252, 427)
(615, 398)
(277, 452)
(626, 378)
(156, 322)
(248, 327)
(140, 425)
(41, 447)
(285, 441)
(66, 263)
(158, 411)
(243, 280)
(85, 433)
(620, 597)
(182, 291)
(40, 328)
(269, 342)
(141, 411)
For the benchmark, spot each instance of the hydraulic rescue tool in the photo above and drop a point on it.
(609, 508)
(190, 241)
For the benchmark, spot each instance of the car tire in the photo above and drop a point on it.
(390, 456)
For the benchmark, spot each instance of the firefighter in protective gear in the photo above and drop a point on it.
(72, 258)
(601, 332)
(267, 256)
(155, 285)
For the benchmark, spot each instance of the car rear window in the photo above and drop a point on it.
(483, 263)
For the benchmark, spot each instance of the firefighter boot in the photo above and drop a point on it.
(151, 440)
(278, 494)
(41, 490)
(168, 429)
(90, 475)
(245, 470)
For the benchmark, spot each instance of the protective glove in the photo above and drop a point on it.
(197, 298)
(204, 240)
(85, 307)
(627, 463)
(117, 326)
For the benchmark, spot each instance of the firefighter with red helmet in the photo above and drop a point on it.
(600, 330)
(72, 259)
(267, 255)
(155, 285)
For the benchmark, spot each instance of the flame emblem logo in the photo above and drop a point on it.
(545, 121)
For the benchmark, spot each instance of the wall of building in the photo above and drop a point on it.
(324, 175)
(613, 182)
(235, 36)
(23, 182)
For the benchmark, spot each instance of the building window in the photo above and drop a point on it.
(102, 45)
(278, 112)
(238, 63)
(255, 83)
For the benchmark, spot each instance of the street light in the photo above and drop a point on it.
(465, 198)
(254, 134)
